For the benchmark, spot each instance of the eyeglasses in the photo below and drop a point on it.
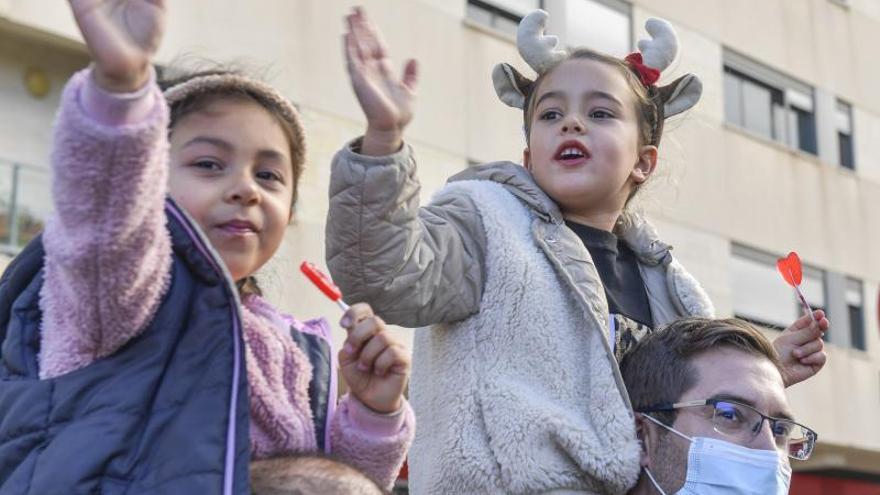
(742, 423)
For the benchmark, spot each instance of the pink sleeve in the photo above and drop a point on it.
(374, 443)
(108, 252)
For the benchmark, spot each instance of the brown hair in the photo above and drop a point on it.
(658, 369)
(199, 100)
(648, 107)
(235, 85)
(308, 474)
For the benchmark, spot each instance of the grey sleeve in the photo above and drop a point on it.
(415, 266)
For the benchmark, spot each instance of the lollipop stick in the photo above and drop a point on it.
(804, 303)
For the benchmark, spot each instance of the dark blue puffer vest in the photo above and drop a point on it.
(166, 414)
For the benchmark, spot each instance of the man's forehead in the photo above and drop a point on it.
(736, 375)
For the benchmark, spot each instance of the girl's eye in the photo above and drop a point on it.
(601, 114)
(270, 175)
(550, 115)
(207, 164)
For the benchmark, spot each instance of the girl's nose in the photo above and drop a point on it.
(572, 124)
(244, 191)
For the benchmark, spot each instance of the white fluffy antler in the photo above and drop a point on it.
(537, 49)
(659, 51)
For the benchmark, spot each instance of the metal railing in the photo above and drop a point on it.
(25, 203)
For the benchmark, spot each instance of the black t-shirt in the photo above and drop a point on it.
(624, 288)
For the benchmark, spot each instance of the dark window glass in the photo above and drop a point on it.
(856, 327)
(806, 130)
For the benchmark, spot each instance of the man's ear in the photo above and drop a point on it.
(646, 165)
(527, 159)
(648, 436)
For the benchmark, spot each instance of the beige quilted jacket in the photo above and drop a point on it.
(514, 385)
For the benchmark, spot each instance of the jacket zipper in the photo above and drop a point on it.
(229, 456)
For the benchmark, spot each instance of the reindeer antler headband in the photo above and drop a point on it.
(657, 53)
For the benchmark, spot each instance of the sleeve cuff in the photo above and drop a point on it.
(353, 150)
(373, 423)
(114, 109)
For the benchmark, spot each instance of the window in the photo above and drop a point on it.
(761, 296)
(602, 25)
(502, 15)
(843, 123)
(855, 312)
(768, 103)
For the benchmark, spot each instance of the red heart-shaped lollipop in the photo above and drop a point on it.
(790, 269)
(321, 280)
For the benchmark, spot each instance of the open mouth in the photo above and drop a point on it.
(571, 152)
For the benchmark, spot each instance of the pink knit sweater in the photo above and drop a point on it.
(108, 259)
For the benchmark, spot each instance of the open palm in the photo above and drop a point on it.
(122, 36)
(386, 99)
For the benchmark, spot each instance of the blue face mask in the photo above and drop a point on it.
(724, 468)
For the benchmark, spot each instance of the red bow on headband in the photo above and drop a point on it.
(648, 75)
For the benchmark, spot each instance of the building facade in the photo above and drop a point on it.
(778, 156)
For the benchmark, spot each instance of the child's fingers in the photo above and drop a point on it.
(810, 347)
(805, 320)
(357, 40)
(352, 57)
(359, 36)
(362, 332)
(815, 359)
(393, 359)
(801, 336)
(377, 42)
(802, 322)
(355, 314)
(823, 322)
(371, 349)
(365, 36)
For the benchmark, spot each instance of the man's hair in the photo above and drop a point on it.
(659, 369)
(307, 475)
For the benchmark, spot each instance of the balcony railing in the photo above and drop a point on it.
(25, 203)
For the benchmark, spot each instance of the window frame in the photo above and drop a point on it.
(768, 260)
(844, 126)
(791, 101)
(857, 326)
(495, 13)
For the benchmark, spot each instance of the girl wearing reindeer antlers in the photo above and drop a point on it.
(535, 277)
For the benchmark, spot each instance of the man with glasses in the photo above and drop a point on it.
(711, 411)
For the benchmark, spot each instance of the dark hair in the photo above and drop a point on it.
(647, 107)
(658, 369)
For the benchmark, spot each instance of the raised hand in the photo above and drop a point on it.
(387, 101)
(801, 349)
(122, 37)
(375, 366)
